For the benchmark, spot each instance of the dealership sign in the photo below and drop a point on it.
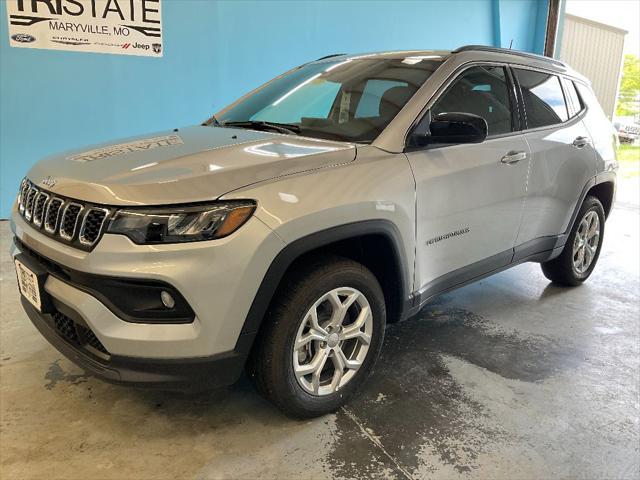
(126, 27)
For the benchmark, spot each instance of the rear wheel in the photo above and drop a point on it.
(580, 254)
(320, 338)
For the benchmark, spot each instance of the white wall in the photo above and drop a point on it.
(595, 50)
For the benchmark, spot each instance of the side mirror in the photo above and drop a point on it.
(453, 127)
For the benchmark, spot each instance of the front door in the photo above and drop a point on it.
(470, 197)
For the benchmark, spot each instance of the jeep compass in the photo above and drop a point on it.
(287, 230)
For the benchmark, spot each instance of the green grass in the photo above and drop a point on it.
(629, 160)
(629, 153)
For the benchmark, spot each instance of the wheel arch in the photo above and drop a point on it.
(603, 187)
(354, 240)
(605, 192)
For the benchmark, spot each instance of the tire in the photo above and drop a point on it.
(566, 269)
(273, 363)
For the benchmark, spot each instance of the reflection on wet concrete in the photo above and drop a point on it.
(422, 406)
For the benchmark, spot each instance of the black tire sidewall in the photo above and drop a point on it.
(347, 274)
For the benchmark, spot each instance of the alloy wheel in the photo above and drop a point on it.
(332, 341)
(585, 244)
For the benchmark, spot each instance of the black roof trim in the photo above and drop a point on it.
(330, 56)
(485, 48)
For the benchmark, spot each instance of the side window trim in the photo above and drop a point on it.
(522, 113)
(561, 77)
(568, 82)
(426, 110)
(571, 108)
(517, 110)
(524, 125)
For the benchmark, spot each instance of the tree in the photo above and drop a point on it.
(629, 95)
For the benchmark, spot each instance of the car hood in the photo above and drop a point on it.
(180, 166)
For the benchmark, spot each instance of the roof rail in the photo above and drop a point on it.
(485, 48)
(330, 56)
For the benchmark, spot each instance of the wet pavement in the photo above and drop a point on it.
(511, 377)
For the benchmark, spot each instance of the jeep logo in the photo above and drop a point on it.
(49, 181)
(23, 38)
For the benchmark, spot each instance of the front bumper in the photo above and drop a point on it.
(190, 374)
(219, 280)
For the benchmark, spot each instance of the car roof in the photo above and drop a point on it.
(467, 53)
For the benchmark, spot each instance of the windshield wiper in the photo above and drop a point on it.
(259, 125)
(212, 120)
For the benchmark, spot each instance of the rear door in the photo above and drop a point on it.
(562, 155)
(470, 197)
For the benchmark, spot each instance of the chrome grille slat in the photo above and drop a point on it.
(24, 188)
(69, 221)
(39, 208)
(53, 215)
(92, 225)
(28, 209)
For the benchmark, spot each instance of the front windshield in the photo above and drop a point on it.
(349, 100)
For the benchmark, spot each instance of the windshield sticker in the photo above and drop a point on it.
(124, 148)
(121, 27)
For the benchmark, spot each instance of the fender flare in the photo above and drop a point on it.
(306, 244)
(604, 177)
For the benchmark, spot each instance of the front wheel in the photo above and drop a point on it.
(321, 337)
(580, 254)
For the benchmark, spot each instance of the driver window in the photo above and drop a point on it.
(482, 91)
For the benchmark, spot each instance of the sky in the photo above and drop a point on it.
(623, 14)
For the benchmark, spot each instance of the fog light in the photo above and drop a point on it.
(167, 299)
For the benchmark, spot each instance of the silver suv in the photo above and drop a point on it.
(286, 231)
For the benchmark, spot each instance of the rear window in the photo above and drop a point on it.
(543, 98)
(573, 98)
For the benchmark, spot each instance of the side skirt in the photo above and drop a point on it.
(537, 250)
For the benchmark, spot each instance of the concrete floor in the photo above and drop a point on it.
(508, 378)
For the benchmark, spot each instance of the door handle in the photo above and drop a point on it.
(513, 157)
(580, 142)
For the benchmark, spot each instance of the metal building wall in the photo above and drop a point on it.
(595, 50)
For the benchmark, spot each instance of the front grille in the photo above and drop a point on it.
(92, 225)
(38, 208)
(73, 222)
(22, 197)
(53, 215)
(76, 334)
(70, 217)
(28, 209)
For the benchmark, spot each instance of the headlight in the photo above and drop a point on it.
(182, 224)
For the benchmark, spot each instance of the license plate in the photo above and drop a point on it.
(28, 283)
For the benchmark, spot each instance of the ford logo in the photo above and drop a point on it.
(23, 38)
